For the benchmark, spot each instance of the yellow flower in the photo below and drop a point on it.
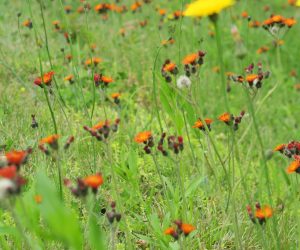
(298, 3)
(207, 7)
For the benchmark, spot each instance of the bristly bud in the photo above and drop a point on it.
(34, 123)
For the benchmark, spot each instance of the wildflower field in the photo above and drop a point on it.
(149, 124)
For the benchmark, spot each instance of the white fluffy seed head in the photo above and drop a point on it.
(5, 186)
(183, 82)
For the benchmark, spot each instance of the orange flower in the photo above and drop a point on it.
(115, 95)
(169, 67)
(27, 23)
(162, 12)
(294, 167)
(169, 41)
(38, 199)
(100, 125)
(262, 49)
(254, 24)
(47, 78)
(277, 19)
(170, 231)
(56, 22)
(177, 14)
(94, 60)
(244, 14)
(69, 78)
(190, 59)
(289, 22)
(9, 172)
(51, 141)
(226, 117)
(264, 212)
(187, 228)
(68, 8)
(143, 137)
(251, 78)
(134, 7)
(16, 157)
(280, 147)
(199, 124)
(93, 181)
(106, 79)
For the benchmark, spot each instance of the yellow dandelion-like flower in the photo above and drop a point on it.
(207, 7)
(298, 3)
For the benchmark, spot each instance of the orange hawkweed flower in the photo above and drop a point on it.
(169, 67)
(115, 95)
(244, 14)
(169, 41)
(143, 137)
(46, 79)
(262, 49)
(199, 124)
(27, 23)
(68, 9)
(15, 157)
(190, 59)
(279, 147)
(8, 172)
(294, 167)
(69, 78)
(170, 231)
(38, 199)
(100, 125)
(106, 79)
(251, 78)
(264, 212)
(134, 7)
(50, 140)
(254, 24)
(93, 181)
(289, 22)
(225, 117)
(94, 60)
(162, 12)
(187, 228)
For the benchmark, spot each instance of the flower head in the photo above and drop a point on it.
(199, 124)
(143, 137)
(51, 141)
(46, 79)
(93, 181)
(183, 82)
(207, 7)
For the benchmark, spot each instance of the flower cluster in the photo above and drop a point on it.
(46, 79)
(102, 129)
(10, 179)
(181, 228)
(83, 184)
(52, 142)
(113, 215)
(192, 61)
(175, 143)
(275, 22)
(200, 125)
(168, 69)
(231, 120)
(251, 79)
(101, 80)
(261, 213)
(291, 150)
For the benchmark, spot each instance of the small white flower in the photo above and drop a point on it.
(183, 82)
(5, 185)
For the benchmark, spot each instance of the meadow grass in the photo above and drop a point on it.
(208, 184)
